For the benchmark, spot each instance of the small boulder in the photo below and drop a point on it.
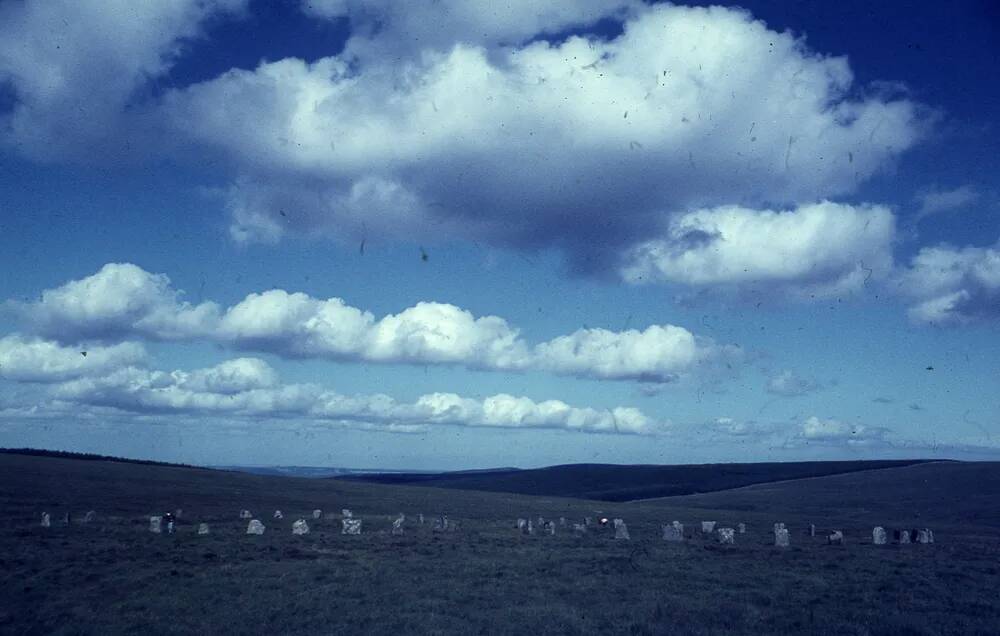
(621, 530)
(156, 524)
(925, 536)
(835, 538)
(300, 527)
(46, 520)
(245, 514)
(741, 528)
(202, 528)
(708, 527)
(879, 536)
(255, 527)
(317, 513)
(673, 533)
(727, 536)
(278, 514)
(350, 526)
(397, 525)
(781, 538)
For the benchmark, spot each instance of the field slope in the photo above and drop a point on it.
(111, 576)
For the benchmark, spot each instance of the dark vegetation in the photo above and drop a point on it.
(112, 576)
(42, 452)
(612, 482)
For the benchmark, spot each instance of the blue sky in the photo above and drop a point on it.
(453, 235)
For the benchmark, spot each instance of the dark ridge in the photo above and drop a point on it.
(42, 452)
(613, 482)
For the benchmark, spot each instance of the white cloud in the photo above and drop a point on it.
(27, 359)
(121, 300)
(833, 431)
(819, 249)
(790, 384)
(249, 388)
(935, 201)
(952, 285)
(544, 144)
(125, 301)
(75, 65)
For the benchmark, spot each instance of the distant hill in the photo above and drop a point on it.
(613, 482)
(315, 472)
(42, 452)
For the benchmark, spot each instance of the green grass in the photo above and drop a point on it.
(113, 576)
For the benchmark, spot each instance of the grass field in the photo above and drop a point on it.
(113, 576)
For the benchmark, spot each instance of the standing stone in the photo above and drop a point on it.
(812, 529)
(66, 518)
(300, 527)
(521, 523)
(156, 524)
(245, 514)
(397, 525)
(90, 516)
(925, 536)
(672, 533)
(420, 517)
(351, 526)
(346, 514)
(727, 536)
(579, 528)
(255, 527)
(202, 528)
(587, 521)
(621, 530)
(528, 527)
(741, 528)
(781, 538)
(835, 538)
(878, 536)
(779, 526)
(541, 522)
(707, 526)
(550, 528)
(903, 536)
(278, 514)
(46, 520)
(562, 521)
(317, 513)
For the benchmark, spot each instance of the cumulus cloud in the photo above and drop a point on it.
(831, 431)
(952, 286)
(935, 201)
(125, 301)
(551, 143)
(75, 65)
(121, 300)
(819, 249)
(30, 359)
(248, 387)
(790, 384)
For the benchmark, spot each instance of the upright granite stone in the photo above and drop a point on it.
(672, 533)
(351, 526)
(902, 536)
(879, 536)
(441, 524)
(741, 528)
(202, 528)
(300, 527)
(317, 513)
(346, 514)
(779, 526)
(420, 518)
(562, 521)
(156, 524)
(245, 514)
(521, 524)
(812, 529)
(550, 528)
(46, 520)
(727, 536)
(925, 536)
(397, 525)
(708, 527)
(621, 530)
(278, 514)
(255, 527)
(781, 538)
(835, 538)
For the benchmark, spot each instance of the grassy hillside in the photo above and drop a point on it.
(112, 576)
(611, 482)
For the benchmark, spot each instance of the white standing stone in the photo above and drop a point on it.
(550, 527)
(925, 536)
(521, 523)
(879, 536)
(156, 524)
(562, 521)
(835, 538)
(90, 516)
(346, 513)
(904, 536)
(245, 514)
(397, 525)
(528, 528)
(672, 533)
(202, 528)
(46, 520)
(707, 526)
(317, 513)
(350, 526)
(727, 536)
(741, 528)
(812, 529)
(300, 527)
(278, 514)
(779, 526)
(255, 527)
(621, 530)
(420, 518)
(781, 538)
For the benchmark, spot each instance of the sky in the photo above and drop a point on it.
(468, 234)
